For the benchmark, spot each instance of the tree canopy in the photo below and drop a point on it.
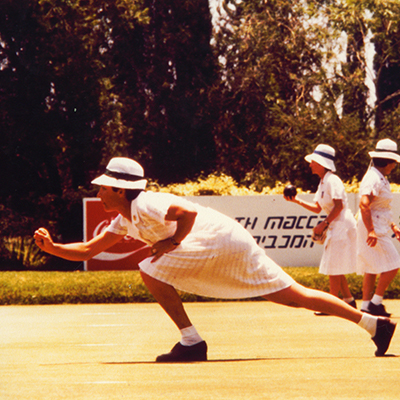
(82, 81)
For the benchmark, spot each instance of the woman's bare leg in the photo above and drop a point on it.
(346, 293)
(384, 281)
(315, 300)
(368, 286)
(335, 284)
(169, 300)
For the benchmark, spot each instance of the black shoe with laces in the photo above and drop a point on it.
(384, 333)
(181, 353)
(379, 310)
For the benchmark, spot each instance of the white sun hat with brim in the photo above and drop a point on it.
(122, 173)
(386, 148)
(323, 155)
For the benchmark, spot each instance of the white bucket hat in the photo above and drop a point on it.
(122, 173)
(386, 148)
(323, 155)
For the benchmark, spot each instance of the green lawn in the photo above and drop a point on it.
(30, 287)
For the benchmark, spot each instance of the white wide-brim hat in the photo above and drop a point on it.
(323, 155)
(122, 173)
(386, 148)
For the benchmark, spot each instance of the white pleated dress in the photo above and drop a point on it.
(339, 256)
(383, 256)
(218, 258)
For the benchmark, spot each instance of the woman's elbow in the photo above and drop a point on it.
(364, 206)
(193, 215)
(87, 254)
(86, 257)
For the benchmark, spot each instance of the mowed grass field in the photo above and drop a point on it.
(257, 350)
(79, 287)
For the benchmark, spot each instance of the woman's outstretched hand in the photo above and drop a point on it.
(43, 239)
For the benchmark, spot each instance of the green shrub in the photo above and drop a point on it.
(21, 252)
(216, 185)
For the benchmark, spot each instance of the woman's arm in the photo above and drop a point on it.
(396, 230)
(365, 209)
(79, 251)
(336, 210)
(185, 219)
(313, 207)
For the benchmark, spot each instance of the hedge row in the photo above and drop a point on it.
(34, 288)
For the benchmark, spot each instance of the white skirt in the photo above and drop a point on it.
(339, 256)
(383, 257)
(220, 261)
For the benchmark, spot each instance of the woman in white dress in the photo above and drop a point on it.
(201, 251)
(339, 256)
(376, 253)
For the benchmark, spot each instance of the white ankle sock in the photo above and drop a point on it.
(368, 322)
(190, 336)
(364, 305)
(377, 299)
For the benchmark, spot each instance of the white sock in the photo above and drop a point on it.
(190, 336)
(364, 305)
(377, 299)
(368, 322)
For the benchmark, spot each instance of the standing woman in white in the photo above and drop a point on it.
(376, 254)
(339, 256)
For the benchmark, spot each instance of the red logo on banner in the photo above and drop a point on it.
(125, 255)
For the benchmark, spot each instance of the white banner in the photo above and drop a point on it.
(281, 228)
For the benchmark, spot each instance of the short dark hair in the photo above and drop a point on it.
(130, 194)
(382, 162)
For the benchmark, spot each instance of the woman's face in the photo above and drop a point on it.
(389, 168)
(317, 169)
(110, 198)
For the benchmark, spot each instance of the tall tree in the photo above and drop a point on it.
(284, 89)
(348, 19)
(180, 70)
(385, 26)
(49, 95)
(82, 81)
(271, 67)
